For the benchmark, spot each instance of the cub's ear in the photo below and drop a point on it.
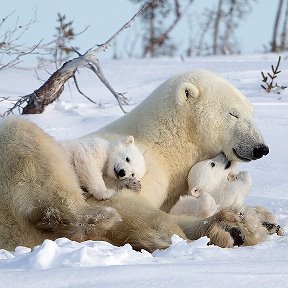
(196, 191)
(186, 92)
(129, 140)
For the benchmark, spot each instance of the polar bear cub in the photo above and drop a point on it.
(213, 184)
(95, 158)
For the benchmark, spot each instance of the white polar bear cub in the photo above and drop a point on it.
(213, 184)
(94, 158)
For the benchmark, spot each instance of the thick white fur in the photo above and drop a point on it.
(202, 205)
(94, 158)
(212, 187)
(185, 120)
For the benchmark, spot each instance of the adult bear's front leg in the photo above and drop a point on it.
(142, 225)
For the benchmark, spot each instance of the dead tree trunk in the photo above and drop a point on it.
(274, 44)
(217, 27)
(225, 45)
(283, 46)
(49, 91)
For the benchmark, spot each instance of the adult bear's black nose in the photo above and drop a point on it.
(121, 173)
(260, 151)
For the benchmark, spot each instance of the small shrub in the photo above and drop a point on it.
(269, 78)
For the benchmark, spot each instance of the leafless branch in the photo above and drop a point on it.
(5, 18)
(105, 45)
(121, 99)
(11, 51)
(17, 59)
(79, 90)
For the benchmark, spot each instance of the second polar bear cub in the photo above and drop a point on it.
(213, 184)
(95, 159)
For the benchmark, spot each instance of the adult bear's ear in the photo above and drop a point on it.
(129, 140)
(186, 92)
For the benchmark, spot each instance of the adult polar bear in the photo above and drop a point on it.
(189, 118)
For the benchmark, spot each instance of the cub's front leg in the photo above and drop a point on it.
(91, 180)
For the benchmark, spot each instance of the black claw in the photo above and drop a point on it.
(271, 227)
(268, 226)
(236, 234)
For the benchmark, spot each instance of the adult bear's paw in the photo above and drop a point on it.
(259, 222)
(225, 229)
(248, 226)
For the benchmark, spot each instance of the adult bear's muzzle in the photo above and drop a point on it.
(246, 153)
(247, 141)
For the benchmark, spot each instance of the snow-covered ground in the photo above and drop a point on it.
(63, 263)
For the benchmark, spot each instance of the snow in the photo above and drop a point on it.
(64, 263)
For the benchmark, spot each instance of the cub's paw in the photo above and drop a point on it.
(232, 177)
(131, 184)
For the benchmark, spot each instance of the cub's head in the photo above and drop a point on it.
(125, 160)
(208, 175)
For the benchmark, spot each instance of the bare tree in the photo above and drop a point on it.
(279, 38)
(217, 30)
(36, 102)
(60, 47)
(156, 39)
(198, 42)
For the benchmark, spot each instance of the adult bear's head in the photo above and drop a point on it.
(220, 115)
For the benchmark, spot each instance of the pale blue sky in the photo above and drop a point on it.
(104, 17)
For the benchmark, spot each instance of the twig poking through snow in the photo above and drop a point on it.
(270, 85)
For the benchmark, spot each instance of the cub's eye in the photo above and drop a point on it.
(133, 175)
(187, 94)
(212, 164)
(234, 115)
(127, 159)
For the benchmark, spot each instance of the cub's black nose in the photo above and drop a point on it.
(260, 151)
(228, 165)
(121, 173)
